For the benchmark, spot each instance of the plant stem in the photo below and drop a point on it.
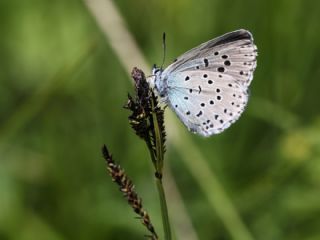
(164, 210)
(160, 149)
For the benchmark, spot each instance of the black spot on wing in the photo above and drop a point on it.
(220, 69)
(206, 62)
(199, 114)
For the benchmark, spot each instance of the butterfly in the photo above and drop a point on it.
(207, 87)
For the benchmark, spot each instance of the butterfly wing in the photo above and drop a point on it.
(206, 102)
(208, 86)
(233, 53)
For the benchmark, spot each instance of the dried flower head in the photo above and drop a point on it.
(126, 186)
(147, 118)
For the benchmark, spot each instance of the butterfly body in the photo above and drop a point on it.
(207, 87)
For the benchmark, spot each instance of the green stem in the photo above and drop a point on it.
(164, 210)
(153, 158)
(159, 140)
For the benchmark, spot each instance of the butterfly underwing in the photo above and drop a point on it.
(207, 87)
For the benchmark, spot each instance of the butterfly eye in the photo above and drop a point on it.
(155, 70)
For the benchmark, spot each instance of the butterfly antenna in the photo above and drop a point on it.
(164, 46)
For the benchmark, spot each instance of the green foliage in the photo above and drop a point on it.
(62, 89)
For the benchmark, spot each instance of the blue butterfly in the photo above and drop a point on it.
(207, 87)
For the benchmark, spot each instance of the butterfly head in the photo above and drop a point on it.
(156, 74)
(155, 81)
(156, 70)
(152, 78)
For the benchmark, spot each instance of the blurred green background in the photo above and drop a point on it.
(62, 89)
